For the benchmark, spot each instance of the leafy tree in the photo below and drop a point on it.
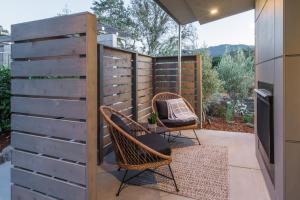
(151, 29)
(114, 13)
(211, 84)
(237, 72)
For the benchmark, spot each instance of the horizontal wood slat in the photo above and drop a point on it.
(117, 98)
(117, 80)
(143, 79)
(49, 48)
(58, 87)
(146, 59)
(74, 109)
(73, 130)
(51, 147)
(58, 67)
(48, 185)
(18, 193)
(45, 28)
(116, 54)
(110, 90)
(53, 167)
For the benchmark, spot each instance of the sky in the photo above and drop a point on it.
(237, 29)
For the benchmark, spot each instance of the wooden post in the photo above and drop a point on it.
(153, 75)
(199, 87)
(135, 86)
(92, 105)
(100, 84)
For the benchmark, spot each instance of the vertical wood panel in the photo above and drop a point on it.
(92, 109)
(135, 85)
(199, 87)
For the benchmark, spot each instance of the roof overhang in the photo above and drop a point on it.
(188, 11)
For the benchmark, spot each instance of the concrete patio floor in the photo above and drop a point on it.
(5, 181)
(245, 177)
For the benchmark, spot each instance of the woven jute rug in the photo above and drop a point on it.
(201, 172)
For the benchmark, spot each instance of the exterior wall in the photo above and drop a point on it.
(292, 99)
(109, 40)
(278, 62)
(269, 67)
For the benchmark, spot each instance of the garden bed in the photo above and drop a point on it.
(220, 124)
(4, 140)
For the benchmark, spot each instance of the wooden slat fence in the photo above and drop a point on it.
(166, 78)
(129, 80)
(54, 108)
(126, 85)
(57, 87)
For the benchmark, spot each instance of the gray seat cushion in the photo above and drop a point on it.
(178, 122)
(119, 122)
(162, 109)
(156, 142)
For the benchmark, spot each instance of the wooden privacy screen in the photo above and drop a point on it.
(54, 108)
(166, 78)
(129, 80)
(125, 81)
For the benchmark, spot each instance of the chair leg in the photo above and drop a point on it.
(120, 188)
(177, 190)
(196, 137)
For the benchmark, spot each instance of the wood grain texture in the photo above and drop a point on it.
(49, 87)
(18, 193)
(92, 107)
(48, 185)
(67, 129)
(53, 167)
(49, 48)
(51, 147)
(72, 109)
(57, 67)
(57, 26)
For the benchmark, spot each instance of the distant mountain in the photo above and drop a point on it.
(220, 49)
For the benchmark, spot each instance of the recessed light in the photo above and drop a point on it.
(214, 11)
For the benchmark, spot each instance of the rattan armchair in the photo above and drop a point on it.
(131, 153)
(168, 95)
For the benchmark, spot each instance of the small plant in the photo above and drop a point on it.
(229, 112)
(248, 118)
(153, 118)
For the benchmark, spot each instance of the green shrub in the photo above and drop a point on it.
(5, 99)
(248, 118)
(229, 112)
(217, 109)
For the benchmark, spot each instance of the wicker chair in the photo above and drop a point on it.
(131, 153)
(168, 95)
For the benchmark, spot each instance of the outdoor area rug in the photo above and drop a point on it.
(201, 172)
